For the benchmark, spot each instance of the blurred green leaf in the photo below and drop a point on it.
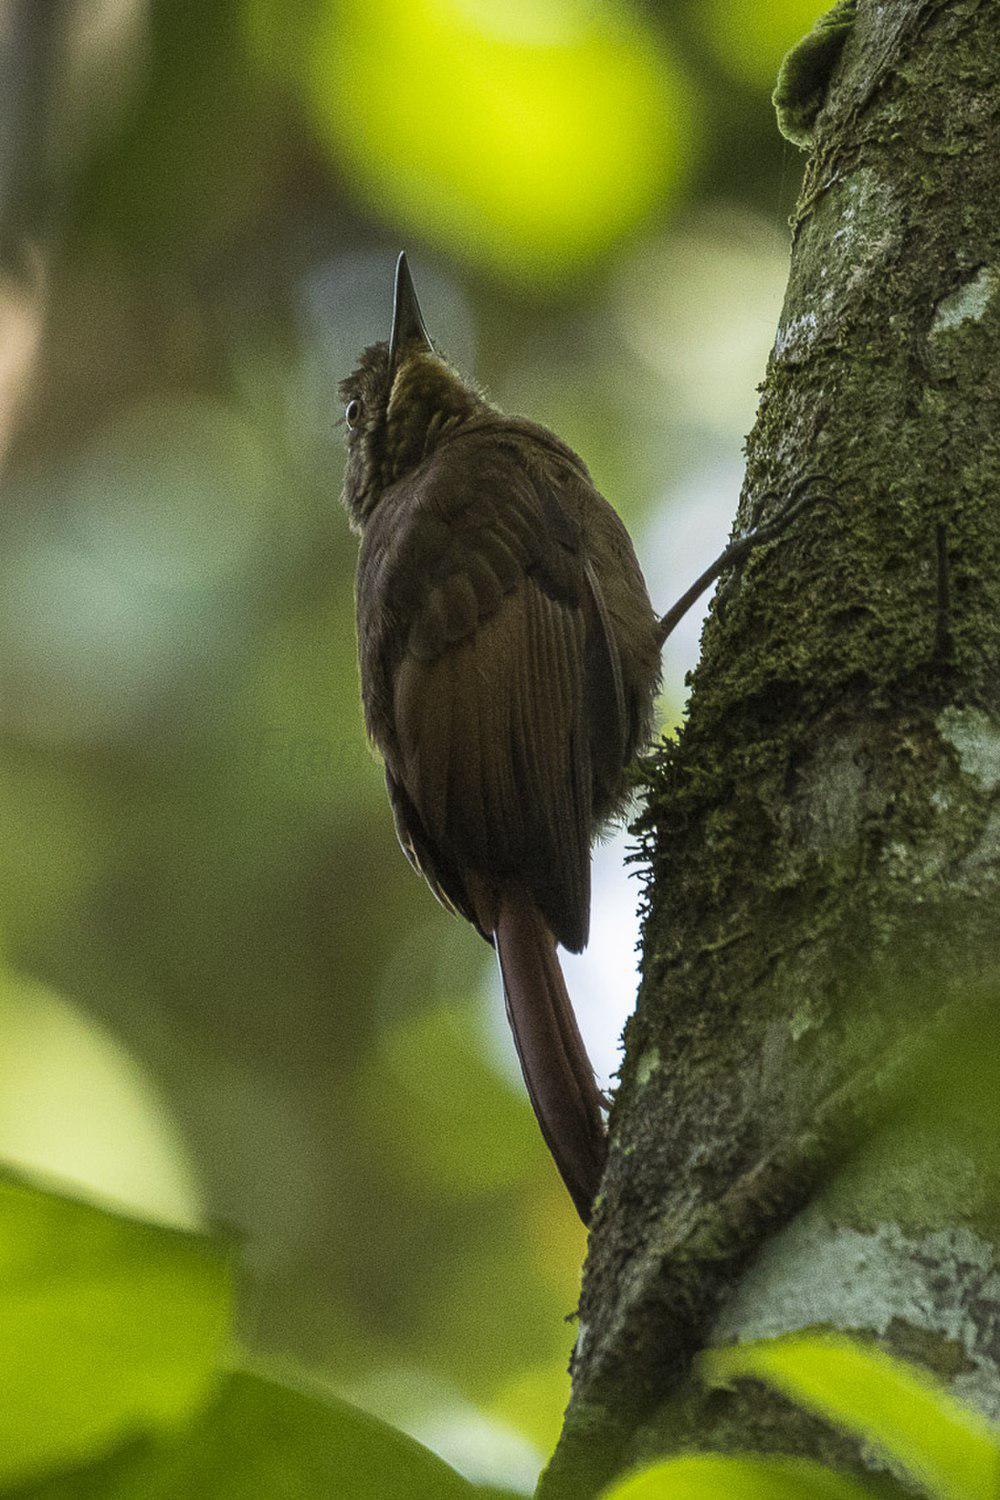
(271, 1442)
(74, 1103)
(533, 1401)
(708, 1476)
(944, 1444)
(530, 137)
(110, 1327)
(52, 855)
(455, 1124)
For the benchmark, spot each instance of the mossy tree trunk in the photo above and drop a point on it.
(824, 839)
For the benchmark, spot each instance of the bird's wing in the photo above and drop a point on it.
(499, 652)
(442, 876)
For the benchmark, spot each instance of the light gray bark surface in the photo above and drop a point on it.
(824, 840)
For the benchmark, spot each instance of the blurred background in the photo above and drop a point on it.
(223, 995)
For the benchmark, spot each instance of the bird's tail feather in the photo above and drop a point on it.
(554, 1061)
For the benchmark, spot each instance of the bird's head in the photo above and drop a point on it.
(400, 402)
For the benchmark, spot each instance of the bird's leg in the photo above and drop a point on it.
(799, 500)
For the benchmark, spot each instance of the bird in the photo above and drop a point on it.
(509, 661)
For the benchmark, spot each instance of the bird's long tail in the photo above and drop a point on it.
(554, 1061)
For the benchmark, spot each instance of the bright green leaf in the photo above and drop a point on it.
(708, 1476)
(267, 1441)
(75, 1103)
(901, 1410)
(108, 1327)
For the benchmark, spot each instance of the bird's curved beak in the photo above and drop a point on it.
(407, 319)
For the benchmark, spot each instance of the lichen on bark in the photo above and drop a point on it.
(824, 837)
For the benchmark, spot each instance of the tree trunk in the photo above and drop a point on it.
(824, 840)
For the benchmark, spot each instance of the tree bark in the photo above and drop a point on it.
(824, 838)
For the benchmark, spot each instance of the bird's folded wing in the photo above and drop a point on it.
(500, 643)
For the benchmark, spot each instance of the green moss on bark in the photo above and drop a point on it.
(824, 838)
(805, 73)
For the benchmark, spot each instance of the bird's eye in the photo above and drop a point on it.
(352, 412)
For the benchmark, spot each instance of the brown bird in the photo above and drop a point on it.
(510, 658)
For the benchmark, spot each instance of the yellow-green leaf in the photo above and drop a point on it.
(892, 1405)
(109, 1327)
(708, 1476)
(267, 1441)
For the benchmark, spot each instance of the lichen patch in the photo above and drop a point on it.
(818, 1273)
(967, 303)
(976, 739)
(647, 1066)
(795, 336)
